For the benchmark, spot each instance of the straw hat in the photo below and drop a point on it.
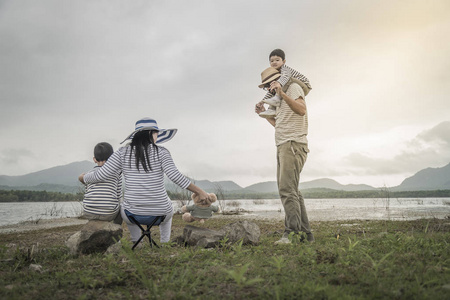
(164, 135)
(268, 75)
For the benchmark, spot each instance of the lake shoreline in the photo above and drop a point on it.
(269, 216)
(42, 224)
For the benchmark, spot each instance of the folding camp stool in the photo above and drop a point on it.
(150, 221)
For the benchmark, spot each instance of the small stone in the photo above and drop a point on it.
(35, 268)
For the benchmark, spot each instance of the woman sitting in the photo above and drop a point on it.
(143, 164)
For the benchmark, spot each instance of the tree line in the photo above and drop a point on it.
(44, 196)
(37, 196)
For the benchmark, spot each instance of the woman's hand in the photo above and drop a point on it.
(196, 190)
(203, 196)
(81, 178)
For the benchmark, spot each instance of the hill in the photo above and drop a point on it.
(324, 183)
(61, 175)
(427, 179)
(209, 186)
(64, 179)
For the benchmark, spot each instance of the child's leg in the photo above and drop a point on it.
(273, 101)
(268, 113)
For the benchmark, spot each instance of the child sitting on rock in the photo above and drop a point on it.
(102, 200)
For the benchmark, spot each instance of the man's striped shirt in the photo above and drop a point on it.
(290, 126)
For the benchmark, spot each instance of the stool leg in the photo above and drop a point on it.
(138, 241)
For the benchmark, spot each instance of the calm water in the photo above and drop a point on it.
(318, 209)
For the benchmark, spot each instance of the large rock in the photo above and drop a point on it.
(246, 231)
(202, 237)
(95, 236)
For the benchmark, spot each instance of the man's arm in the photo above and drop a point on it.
(259, 107)
(297, 105)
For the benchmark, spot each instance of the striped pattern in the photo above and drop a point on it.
(145, 193)
(290, 126)
(286, 74)
(165, 135)
(103, 198)
(146, 122)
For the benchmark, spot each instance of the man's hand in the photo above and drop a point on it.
(279, 91)
(259, 107)
(274, 85)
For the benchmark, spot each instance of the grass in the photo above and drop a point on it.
(349, 260)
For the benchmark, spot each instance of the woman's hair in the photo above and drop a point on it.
(140, 144)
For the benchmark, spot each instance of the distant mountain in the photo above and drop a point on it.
(208, 186)
(271, 186)
(65, 179)
(263, 187)
(427, 179)
(334, 185)
(63, 175)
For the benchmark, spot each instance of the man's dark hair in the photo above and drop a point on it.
(103, 151)
(279, 53)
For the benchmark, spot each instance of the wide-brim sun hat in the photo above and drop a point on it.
(164, 135)
(268, 75)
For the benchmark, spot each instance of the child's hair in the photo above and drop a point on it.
(103, 151)
(279, 53)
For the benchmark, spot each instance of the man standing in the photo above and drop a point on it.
(291, 129)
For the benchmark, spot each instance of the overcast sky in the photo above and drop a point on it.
(75, 73)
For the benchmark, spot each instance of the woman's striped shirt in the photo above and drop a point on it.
(145, 193)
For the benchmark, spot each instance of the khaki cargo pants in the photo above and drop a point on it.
(291, 157)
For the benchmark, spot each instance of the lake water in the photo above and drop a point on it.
(318, 209)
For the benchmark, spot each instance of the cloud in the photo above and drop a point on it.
(437, 136)
(13, 157)
(73, 73)
(430, 148)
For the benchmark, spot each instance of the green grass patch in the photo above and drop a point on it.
(349, 260)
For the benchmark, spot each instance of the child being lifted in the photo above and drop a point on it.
(277, 60)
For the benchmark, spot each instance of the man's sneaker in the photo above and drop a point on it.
(310, 237)
(274, 101)
(282, 241)
(270, 113)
